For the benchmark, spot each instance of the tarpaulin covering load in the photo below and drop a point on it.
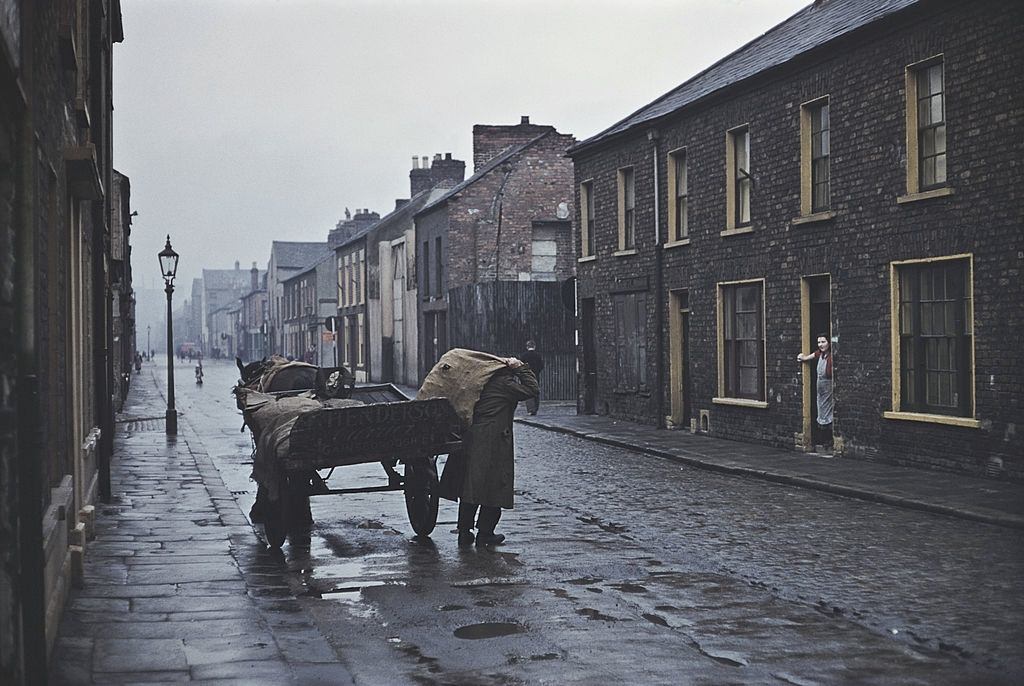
(460, 376)
(271, 420)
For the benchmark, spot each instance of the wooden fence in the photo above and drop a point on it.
(500, 316)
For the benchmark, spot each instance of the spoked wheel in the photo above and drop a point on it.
(278, 515)
(421, 487)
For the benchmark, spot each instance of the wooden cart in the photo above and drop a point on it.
(387, 427)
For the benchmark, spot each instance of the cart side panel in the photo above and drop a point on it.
(334, 437)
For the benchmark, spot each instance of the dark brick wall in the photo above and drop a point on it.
(864, 78)
(40, 199)
(490, 140)
(10, 564)
(526, 189)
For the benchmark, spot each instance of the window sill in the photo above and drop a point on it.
(588, 258)
(815, 218)
(967, 422)
(624, 253)
(741, 402)
(738, 231)
(675, 244)
(924, 195)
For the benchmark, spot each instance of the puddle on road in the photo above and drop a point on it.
(583, 581)
(487, 581)
(475, 632)
(591, 613)
(629, 588)
(655, 619)
(352, 597)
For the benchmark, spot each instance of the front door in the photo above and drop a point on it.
(816, 319)
(679, 343)
(397, 312)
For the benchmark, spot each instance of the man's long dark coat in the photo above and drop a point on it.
(486, 465)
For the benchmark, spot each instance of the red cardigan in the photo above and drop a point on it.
(828, 362)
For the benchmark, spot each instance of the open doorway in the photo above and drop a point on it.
(815, 319)
(679, 358)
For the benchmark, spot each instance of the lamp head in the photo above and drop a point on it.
(168, 262)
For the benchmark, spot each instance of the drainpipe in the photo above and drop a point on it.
(659, 308)
(497, 208)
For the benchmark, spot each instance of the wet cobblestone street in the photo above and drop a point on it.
(619, 568)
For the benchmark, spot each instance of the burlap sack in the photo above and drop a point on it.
(460, 375)
(288, 376)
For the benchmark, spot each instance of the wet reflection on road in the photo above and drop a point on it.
(718, 580)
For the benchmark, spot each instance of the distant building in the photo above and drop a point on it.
(495, 253)
(852, 172)
(122, 291)
(252, 320)
(286, 259)
(392, 292)
(349, 242)
(192, 333)
(310, 297)
(222, 288)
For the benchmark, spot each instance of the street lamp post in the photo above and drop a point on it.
(149, 346)
(168, 267)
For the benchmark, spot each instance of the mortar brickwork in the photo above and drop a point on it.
(486, 225)
(863, 75)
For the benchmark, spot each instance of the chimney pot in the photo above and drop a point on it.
(426, 162)
(437, 157)
(525, 119)
(447, 155)
(415, 162)
(237, 265)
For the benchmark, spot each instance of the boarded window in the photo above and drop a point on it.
(630, 315)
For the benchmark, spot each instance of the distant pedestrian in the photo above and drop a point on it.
(822, 432)
(536, 362)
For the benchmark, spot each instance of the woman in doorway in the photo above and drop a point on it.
(822, 433)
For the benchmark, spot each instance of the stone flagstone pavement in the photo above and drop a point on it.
(176, 586)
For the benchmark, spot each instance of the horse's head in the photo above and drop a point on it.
(251, 372)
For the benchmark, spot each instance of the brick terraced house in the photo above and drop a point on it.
(854, 171)
(391, 291)
(64, 269)
(494, 253)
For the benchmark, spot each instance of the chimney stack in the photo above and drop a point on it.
(254, 278)
(419, 177)
(490, 140)
(447, 172)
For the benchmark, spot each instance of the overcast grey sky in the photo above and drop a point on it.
(240, 122)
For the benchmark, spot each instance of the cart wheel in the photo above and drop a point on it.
(277, 515)
(421, 494)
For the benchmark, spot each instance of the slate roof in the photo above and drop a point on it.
(810, 28)
(297, 254)
(309, 268)
(228, 279)
(486, 169)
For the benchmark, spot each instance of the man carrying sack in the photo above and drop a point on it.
(484, 390)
